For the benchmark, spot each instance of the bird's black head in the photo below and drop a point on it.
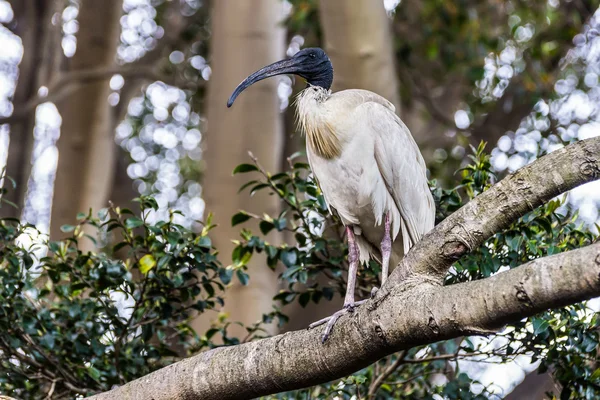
(312, 64)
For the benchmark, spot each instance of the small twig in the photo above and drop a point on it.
(416, 376)
(374, 387)
(51, 391)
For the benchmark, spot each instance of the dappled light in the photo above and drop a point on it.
(146, 224)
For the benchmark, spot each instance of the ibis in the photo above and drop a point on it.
(366, 162)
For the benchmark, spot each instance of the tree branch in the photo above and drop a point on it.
(409, 314)
(67, 83)
(497, 208)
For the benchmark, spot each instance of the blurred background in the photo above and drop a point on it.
(105, 100)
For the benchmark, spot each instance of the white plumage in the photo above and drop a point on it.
(377, 168)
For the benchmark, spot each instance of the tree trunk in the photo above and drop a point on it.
(33, 24)
(86, 146)
(245, 37)
(534, 387)
(359, 42)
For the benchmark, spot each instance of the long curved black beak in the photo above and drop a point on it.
(278, 68)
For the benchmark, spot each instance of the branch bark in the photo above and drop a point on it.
(410, 313)
(497, 208)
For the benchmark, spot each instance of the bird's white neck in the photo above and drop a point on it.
(312, 117)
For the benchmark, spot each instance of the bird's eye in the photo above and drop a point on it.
(312, 55)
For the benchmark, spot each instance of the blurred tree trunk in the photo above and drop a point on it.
(245, 37)
(359, 42)
(40, 39)
(86, 145)
(534, 387)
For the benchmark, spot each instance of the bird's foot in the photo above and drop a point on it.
(331, 320)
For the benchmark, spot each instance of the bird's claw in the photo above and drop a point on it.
(332, 319)
(374, 291)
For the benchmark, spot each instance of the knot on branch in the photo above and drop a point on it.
(433, 325)
(453, 250)
(380, 334)
(523, 297)
(589, 168)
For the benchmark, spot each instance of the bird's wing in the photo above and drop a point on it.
(402, 167)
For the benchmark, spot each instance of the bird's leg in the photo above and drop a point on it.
(349, 303)
(386, 251)
(353, 267)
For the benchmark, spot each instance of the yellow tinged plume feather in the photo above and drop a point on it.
(320, 135)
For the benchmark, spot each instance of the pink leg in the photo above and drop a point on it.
(349, 303)
(386, 250)
(353, 267)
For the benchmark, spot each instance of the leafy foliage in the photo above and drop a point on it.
(78, 323)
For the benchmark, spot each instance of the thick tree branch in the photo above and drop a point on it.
(408, 314)
(497, 208)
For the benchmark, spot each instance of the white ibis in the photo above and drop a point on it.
(366, 162)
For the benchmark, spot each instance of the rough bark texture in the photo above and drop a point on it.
(496, 208)
(415, 312)
(86, 145)
(359, 42)
(243, 41)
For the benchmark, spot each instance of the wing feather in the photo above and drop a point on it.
(402, 167)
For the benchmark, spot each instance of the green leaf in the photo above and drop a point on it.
(242, 276)
(289, 258)
(266, 227)
(93, 373)
(67, 228)
(304, 299)
(225, 275)
(147, 263)
(209, 289)
(119, 246)
(102, 214)
(328, 293)
(163, 260)
(300, 165)
(291, 271)
(239, 218)
(539, 325)
(280, 224)
(257, 188)
(243, 168)
(245, 185)
(133, 222)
